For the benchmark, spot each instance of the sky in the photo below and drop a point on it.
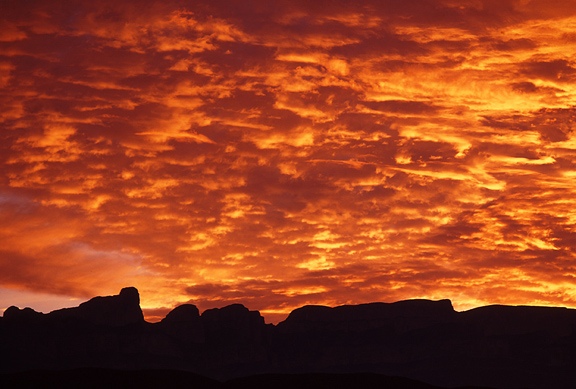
(278, 154)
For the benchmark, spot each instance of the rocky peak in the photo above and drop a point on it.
(233, 312)
(182, 314)
(233, 322)
(15, 313)
(118, 310)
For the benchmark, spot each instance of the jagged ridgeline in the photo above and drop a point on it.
(496, 346)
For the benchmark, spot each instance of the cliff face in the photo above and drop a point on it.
(499, 346)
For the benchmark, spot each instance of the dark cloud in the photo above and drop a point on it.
(403, 107)
(513, 44)
(559, 70)
(526, 87)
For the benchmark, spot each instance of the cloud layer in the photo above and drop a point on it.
(287, 153)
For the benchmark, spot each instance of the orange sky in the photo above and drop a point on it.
(285, 153)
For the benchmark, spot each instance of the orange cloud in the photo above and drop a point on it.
(282, 155)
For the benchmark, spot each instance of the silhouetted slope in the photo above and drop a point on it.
(115, 311)
(401, 316)
(492, 346)
(100, 332)
(326, 381)
(497, 346)
(183, 323)
(123, 309)
(90, 378)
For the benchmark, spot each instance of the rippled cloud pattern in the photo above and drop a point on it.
(286, 153)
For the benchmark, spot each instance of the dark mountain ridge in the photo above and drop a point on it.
(88, 378)
(496, 346)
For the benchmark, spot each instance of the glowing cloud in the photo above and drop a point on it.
(307, 152)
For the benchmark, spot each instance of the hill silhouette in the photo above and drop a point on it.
(423, 340)
(88, 378)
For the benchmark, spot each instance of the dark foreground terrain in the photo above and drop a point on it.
(425, 341)
(148, 379)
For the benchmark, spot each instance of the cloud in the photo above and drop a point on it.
(559, 70)
(401, 107)
(283, 155)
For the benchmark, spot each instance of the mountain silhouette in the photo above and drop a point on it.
(427, 341)
(88, 378)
